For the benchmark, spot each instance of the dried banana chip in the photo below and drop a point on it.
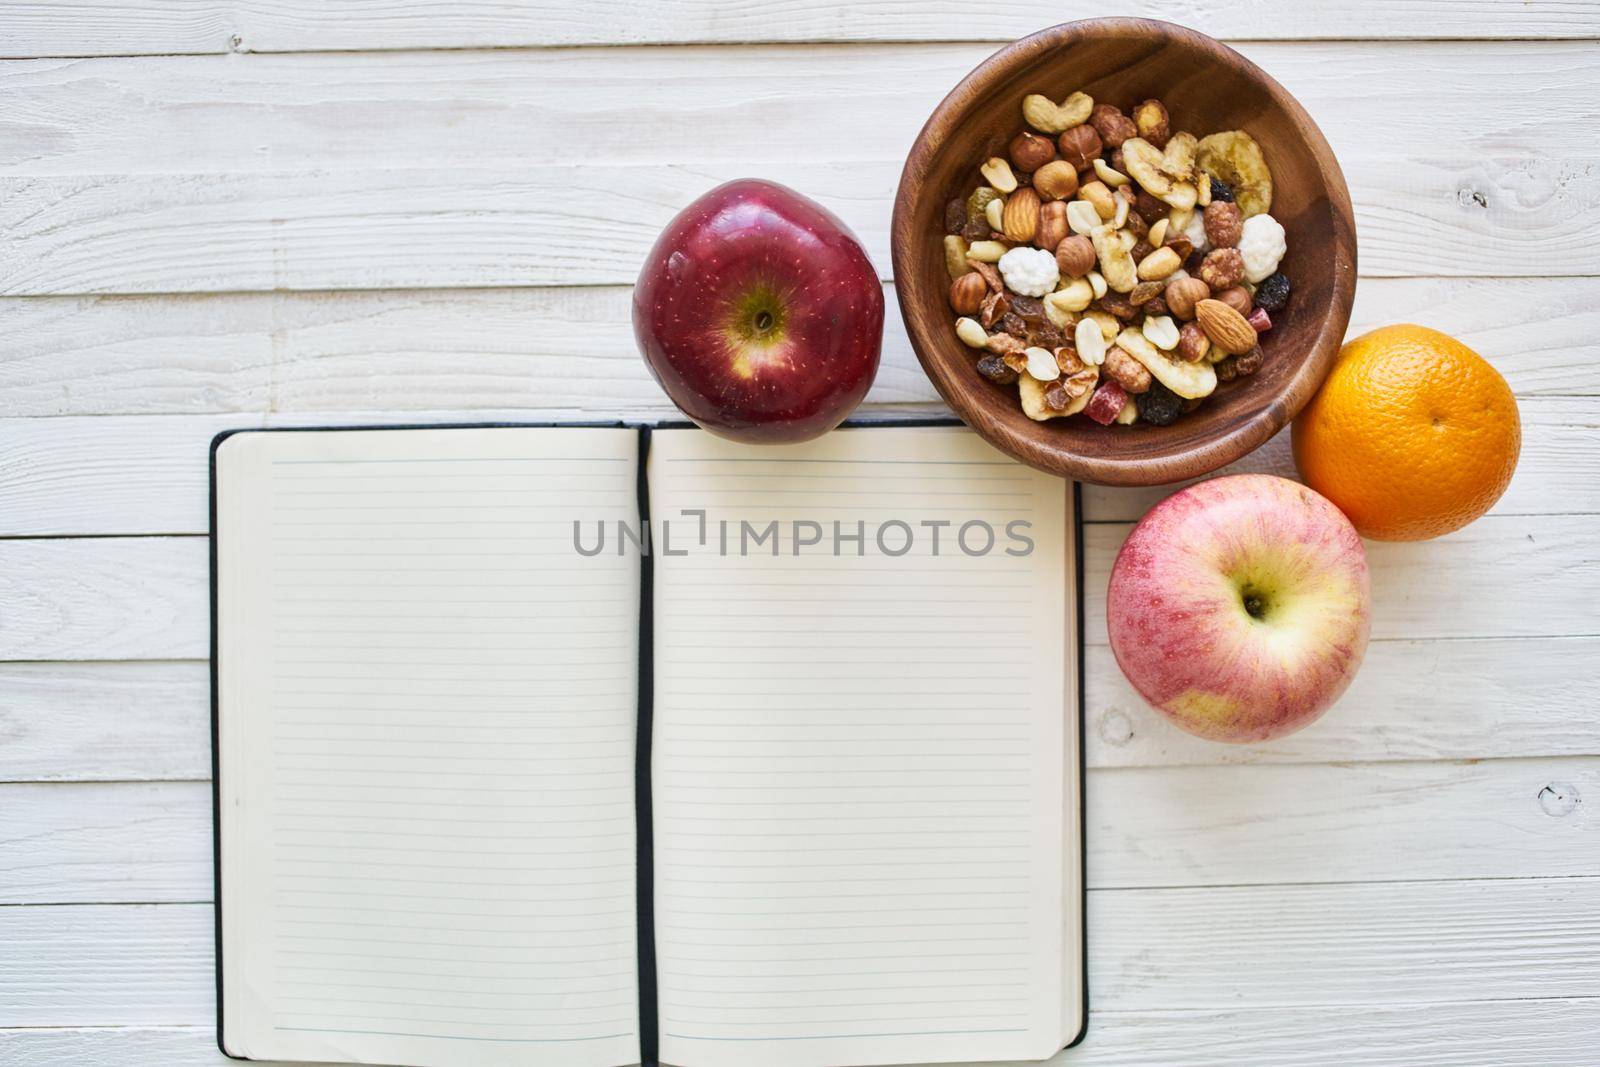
(1189, 380)
(1143, 162)
(1235, 157)
(1179, 158)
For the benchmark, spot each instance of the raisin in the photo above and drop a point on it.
(1273, 294)
(1045, 335)
(994, 368)
(1158, 405)
(1250, 362)
(1031, 310)
(977, 230)
(955, 215)
(1012, 323)
(1056, 398)
(1119, 305)
(1221, 190)
(1145, 292)
(1227, 369)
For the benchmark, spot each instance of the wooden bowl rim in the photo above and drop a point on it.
(1230, 441)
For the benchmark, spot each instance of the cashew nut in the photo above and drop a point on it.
(1046, 116)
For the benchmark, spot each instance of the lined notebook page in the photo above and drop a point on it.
(427, 703)
(863, 773)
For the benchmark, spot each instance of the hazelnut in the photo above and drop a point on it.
(968, 292)
(1075, 256)
(1053, 228)
(1184, 293)
(1113, 127)
(1193, 344)
(1021, 218)
(1030, 151)
(990, 274)
(1224, 224)
(1056, 180)
(1238, 298)
(1080, 146)
(1222, 268)
(1150, 119)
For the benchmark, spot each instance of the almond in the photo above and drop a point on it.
(1228, 330)
(1020, 219)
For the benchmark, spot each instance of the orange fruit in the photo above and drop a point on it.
(1412, 435)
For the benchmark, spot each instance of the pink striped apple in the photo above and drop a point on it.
(1240, 607)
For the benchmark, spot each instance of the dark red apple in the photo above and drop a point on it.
(760, 314)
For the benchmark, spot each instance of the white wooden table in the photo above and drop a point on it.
(219, 214)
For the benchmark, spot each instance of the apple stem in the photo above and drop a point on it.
(763, 321)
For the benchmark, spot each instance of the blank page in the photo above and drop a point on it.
(865, 772)
(426, 709)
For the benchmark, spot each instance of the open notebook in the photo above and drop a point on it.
(802, 786)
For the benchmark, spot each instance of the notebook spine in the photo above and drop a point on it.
(649, 1030)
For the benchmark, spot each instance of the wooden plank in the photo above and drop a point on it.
(1506, 697)
(104, 721)
(133, 721)
(1559, 469)
(1270, 947)
(105, 843)
(1502, 576)
(1247, 825)
(107, 965)
(145, 598)
(1148, 827)
(435, 227)
(572, 348)
(120, 27)
(1510, 1033)
(123, 598)
(148, 474)
(821, 104)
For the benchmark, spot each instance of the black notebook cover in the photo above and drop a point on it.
(645, 877)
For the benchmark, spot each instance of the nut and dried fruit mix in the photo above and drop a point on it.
(1110, 265)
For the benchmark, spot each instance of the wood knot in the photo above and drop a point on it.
(1116, 728)
(1558, 799)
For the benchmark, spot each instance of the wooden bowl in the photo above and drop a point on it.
(1207, 87)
